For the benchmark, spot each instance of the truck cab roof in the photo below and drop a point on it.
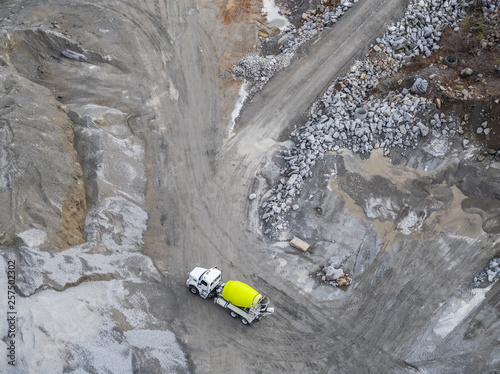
(208, 275)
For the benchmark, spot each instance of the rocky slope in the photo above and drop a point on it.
(73, 194)
(38, 156)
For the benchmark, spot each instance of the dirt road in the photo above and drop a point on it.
(208, 221)
(199, 213)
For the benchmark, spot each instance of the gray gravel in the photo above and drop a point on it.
(257, 69)
(417, 33)
(398, 120)
(420, 30)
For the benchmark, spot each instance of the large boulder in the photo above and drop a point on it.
(420, 86)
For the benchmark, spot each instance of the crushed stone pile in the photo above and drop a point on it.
(417, 33)
(421, 28)
(488, 275)
(325, 15)
(258, 70)
(349, 118)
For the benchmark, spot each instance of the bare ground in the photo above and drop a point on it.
(160, 62)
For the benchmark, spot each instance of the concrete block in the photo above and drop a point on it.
(299, 244)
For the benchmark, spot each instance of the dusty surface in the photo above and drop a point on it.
(142, 87)
(32, 164)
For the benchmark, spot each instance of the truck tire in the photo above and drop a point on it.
(233, 314)
(193, 290)
(451, 61)
(244, 321)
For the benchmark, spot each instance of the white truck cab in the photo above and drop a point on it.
(204, 281)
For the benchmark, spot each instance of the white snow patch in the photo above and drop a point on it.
(237, 107)
(457, 311)
(122, 166)
(33, 237)
(79, 330)
(274, 18)
(63, 268)
(407, 223)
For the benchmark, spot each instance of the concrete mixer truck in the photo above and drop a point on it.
(239, 298)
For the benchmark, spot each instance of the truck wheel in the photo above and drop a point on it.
(233, 314)
(193, 290)
(244, 321)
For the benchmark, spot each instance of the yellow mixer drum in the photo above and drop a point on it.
(240, 294)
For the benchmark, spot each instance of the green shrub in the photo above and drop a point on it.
(467, 22)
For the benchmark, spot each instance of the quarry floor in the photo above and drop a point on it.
(411, 306)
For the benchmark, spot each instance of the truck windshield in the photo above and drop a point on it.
(215, 282)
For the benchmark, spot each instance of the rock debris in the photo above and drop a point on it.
(257, 69)
(488, 275)
(398, 120)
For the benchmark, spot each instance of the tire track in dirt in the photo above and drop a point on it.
(238, 161)
(197, 204)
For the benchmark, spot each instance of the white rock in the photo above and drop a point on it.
(491, 275)
(467, 72)
(292, 179)
(423, 129)
(333, 273)
(420, 86)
